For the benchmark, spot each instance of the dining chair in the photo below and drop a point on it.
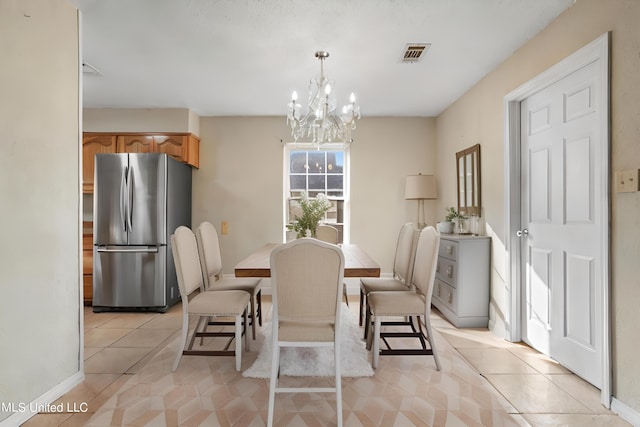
(402, 269)
(306, 277)
(225, 303)
(330, 234)
(327, 233)
(409, 303)
(211, 264)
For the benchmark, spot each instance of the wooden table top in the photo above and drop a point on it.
(356, 263)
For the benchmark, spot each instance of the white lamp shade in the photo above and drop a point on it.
(420, 187)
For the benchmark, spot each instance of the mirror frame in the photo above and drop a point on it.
(468, 188)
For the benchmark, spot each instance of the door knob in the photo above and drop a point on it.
(521, 233)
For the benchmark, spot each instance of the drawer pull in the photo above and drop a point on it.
(449, 250)
(450, 271)
(438, 267)
(450, 297)
(439, 290)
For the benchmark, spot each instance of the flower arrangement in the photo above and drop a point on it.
(313, 211)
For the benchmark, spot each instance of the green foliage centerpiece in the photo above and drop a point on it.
(313, 211)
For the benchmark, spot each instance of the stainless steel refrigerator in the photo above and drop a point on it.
(139, 201)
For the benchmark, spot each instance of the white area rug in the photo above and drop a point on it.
(316, 362)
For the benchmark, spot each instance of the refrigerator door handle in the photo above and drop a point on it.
(130, 198)
(152, 249)
(123, 206)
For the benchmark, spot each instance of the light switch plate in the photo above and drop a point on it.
(628, 181)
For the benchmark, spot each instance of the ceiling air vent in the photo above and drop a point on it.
(413, 52)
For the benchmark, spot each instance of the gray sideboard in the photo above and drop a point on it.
(461, 290)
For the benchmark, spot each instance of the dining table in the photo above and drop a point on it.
(357, 263)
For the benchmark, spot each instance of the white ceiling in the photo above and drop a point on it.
(245, 57)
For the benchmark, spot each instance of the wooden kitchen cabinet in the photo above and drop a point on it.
(184, 147)
(87, 261)
(92, 145)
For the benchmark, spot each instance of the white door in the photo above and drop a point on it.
(561, 222)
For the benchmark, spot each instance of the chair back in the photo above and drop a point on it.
(405, 253)
(306, 280)
(185, 257)
(426, 259)
(209, 250)
(327, 233)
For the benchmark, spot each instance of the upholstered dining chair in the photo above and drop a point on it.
(330, 234)
(409, 303)
(327, 233)
(402, 269)
(306, 280)
(227, 303)
(211, 263)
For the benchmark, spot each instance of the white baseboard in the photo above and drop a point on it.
(26, 410)
(625, 412)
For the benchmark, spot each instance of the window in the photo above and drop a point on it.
(318, 171)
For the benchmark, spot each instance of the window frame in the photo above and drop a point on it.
(346, 196)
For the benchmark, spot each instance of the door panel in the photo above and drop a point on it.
(558, 135)
(129, 276)
(109, 205)
(147, 197)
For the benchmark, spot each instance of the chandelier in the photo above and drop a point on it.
(321, 123)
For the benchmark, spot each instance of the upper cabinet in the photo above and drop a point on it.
(184, 147)
(92, 145)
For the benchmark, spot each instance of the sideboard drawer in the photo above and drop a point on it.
(445, 294)
(446, 271)
(448, 249)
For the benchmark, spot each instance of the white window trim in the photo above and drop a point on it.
(297, 146)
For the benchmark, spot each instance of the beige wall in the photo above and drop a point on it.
(39, 201)
(140, 120)
(477, 117)
(240, 181)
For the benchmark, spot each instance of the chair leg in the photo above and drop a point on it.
(183, 341)
(247, 343)
(238, 338)
(273, 383)
(361, 316)
(336, 348)
(427, 325)
(344, 293)
(376, 342)
(253, 318)
(259, 300)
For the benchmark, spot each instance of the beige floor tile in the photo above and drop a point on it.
(81, 395)
(575, 420)
(103, 337)
(129, 320)
(582, 391)
(495, 361)
(535, 394)
(114, 360)
(46, 420)
(141, 338)
(538, 361)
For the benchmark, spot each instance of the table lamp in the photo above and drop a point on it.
(420, 187)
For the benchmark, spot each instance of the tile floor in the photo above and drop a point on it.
(484, 381)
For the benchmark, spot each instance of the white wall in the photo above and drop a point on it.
(39, 201)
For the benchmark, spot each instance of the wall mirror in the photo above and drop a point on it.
(468, 171)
